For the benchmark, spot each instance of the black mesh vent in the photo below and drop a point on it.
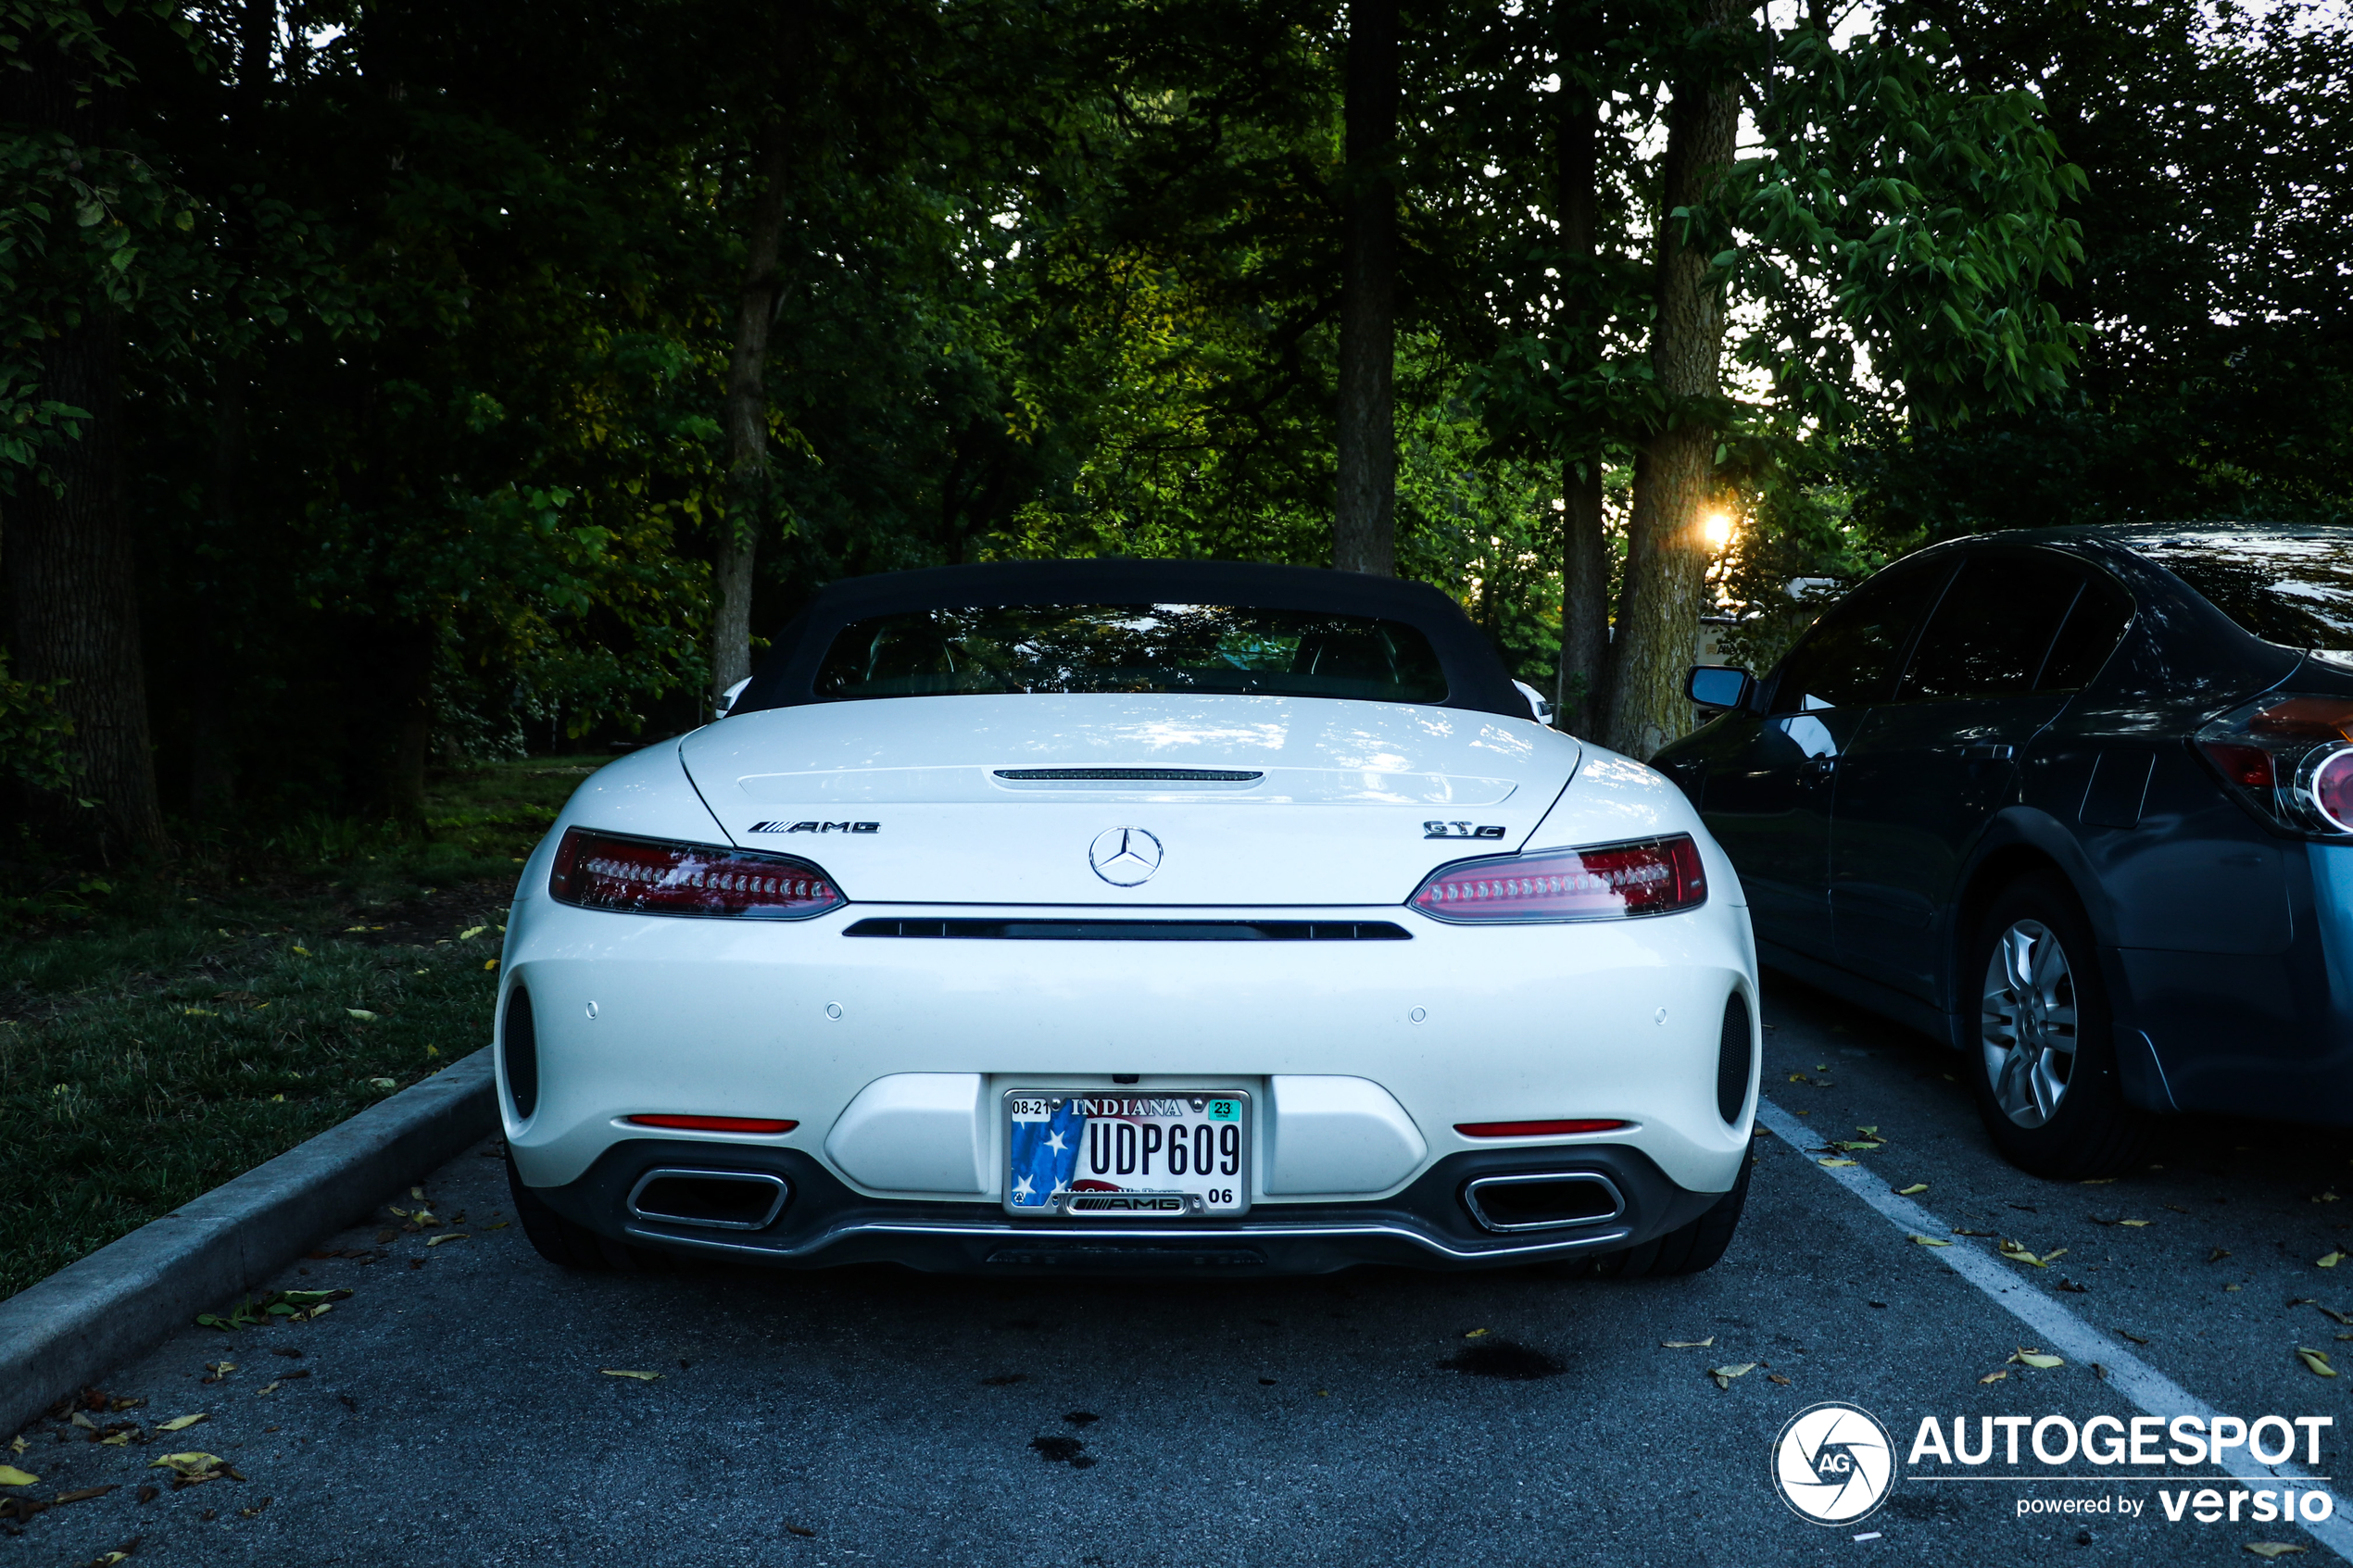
(1733, 1054)
(519, 1044)
(1138, 930)
(1130, 775)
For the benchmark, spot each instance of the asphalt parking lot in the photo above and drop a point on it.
(459, 1407)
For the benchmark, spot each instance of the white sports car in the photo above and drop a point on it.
(1118, 915)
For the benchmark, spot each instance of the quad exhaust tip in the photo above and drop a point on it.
(1542, 1201)
(719, 1200)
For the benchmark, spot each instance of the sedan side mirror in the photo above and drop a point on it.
(1719, 686)
(727, 698)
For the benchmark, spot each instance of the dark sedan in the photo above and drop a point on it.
(2079, 801)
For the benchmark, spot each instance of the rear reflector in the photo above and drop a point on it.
(646, 876)
(1655, 876)
(715, 1123)
(1531, 1129)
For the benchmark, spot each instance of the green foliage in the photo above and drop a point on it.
(34, 732)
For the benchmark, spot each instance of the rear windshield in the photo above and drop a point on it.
(2295, 592)
(1149, 647)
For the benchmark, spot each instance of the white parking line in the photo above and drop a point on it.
(2060, 1330)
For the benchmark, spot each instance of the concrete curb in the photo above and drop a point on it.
(90, 1316)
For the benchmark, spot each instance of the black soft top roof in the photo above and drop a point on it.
(1475, 676)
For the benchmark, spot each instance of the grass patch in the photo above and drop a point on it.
(161, 1036)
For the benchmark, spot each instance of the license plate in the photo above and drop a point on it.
(1127, 1156)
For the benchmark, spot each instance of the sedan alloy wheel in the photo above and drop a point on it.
(2028, 1032)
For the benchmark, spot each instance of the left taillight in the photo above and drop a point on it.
(1651, 876)
(647, 876)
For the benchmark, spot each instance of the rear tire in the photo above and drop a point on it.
(2040, 1039)
(570, 1245)
(1686, 1250)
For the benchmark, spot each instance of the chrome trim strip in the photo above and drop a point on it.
(1236, 1234)
(783, 1191)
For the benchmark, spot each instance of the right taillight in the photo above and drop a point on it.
(2290, 758)
(1651, 876)
(647, 876)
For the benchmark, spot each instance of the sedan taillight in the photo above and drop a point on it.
(646, 876)
(1654, 876)
(2291, 759)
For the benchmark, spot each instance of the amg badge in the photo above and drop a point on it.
(1458, 829)
(814, 827)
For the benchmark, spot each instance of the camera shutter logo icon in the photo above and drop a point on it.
(1833, 1463)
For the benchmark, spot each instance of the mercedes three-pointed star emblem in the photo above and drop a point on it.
(1123, 857)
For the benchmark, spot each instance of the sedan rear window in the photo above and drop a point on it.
(1149, 647)
(2296, 592)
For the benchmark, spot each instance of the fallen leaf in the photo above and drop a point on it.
(265, 1388)
(189, 1464)
(496, 1225)
(470, 933)
(362, 1015)
(805, 1530)
(2342, 1317)
(437, 1240)
(1474, 1334)
(11, 1476)
(2018, 1254)
(2316, 1362)
(118, 1439)
(2322, 1197)
(18, 1445)
(2099, 1181)
(1724, 1374)
(303, 950)
(2029, 1356)
(84, 1422)
(1916, 1186)
(2274, 1548)
(198, 1012)
(1777, 1377)
(1869, 1131)
(2133, 1336)
(490, 963)
(1931, 1241)
(2074, 1289)
(1835, 1162)
(416, 1192)
(383, 1085)
(2217, 1254)
(180, 1422)
(1994, 1377)
(2134, 1224)
(83, 1495)
(640, 1376)
(1957, 1231)
(1687, 1344)
(2332, 1261)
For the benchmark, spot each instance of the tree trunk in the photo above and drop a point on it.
(1364, 527)
(72, 566)
(73, 587)
(747, 417)
(212, 777)
(1581, 695)
(1665, 552)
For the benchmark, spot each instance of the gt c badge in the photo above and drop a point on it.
(1459, 829)
(814, 827)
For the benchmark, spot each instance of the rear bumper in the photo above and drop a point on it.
(824, 1224)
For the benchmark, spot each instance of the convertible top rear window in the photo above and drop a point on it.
(2290, 589)
(1136, 648)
